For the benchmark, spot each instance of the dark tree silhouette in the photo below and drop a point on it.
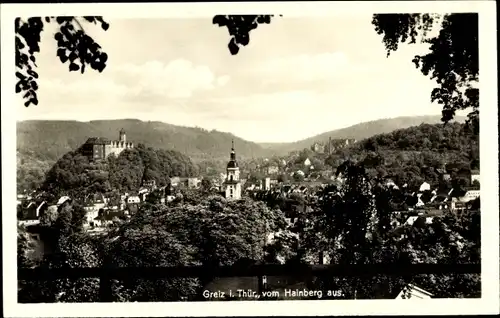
(239, 27)
(74, 45)
(452, 60)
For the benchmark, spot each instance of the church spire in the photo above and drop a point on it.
(233, 154)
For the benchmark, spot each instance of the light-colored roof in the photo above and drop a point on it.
(411, 291)
(411, 220)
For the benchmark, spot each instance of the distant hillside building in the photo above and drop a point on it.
(318, 147)
(96, 148)
(232, 184)
(335, 144)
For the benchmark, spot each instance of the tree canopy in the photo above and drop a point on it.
(76, 176)
(210, 231)
(73, 46)
(453, 58)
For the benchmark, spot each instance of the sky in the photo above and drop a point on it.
(298, 77)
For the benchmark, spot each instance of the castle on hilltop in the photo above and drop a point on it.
(96, 148)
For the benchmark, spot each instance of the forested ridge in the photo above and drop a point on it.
(41, 143)
(359, 131)
(416, 154)
(52, 139)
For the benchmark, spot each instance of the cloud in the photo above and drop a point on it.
(149, 83)
(91, 89)
(176, 79)
(304, 68)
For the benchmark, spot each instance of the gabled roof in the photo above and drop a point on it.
(98, 141)
(411, 220)
(63, 199)
(411, 291)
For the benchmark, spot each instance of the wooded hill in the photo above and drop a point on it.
(416, 154)
(75, 176)
(359, 131)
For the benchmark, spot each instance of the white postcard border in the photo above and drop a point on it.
(489, 303)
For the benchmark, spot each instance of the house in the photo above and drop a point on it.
(317, 147)
(411, 220)
(174, 181)
(133, 199)
(411, 291)
(193, 183)
(91, 212)
(151, 184)
(299, 172)
(272, 169)
(474, 176)
(97, 200)
(62, 200)
(267, 184)
(424, 187)
(307, 162)
(391, 184)
(457, 205)
(470, 195)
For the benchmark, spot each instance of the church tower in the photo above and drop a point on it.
(123, 136)
(232, 184)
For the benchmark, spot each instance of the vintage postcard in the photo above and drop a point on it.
(288, 158)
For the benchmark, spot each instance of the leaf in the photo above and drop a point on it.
(32, 73)
(20, 76)
(72, 56)
(104, 57)
(73, 67)
(233, 47)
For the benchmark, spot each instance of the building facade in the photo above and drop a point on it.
(475, 176)
(232, 184)
(97, 148)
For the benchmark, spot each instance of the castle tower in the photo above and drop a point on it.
(123, 136)
(232, 184)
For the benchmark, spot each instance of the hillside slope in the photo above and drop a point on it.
(75, 176)
(416, 154)
(359, 131)
(50, 140)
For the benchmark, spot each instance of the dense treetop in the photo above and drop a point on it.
(75, 176)
(415, 154)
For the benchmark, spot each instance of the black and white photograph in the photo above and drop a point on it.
(203, 159)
